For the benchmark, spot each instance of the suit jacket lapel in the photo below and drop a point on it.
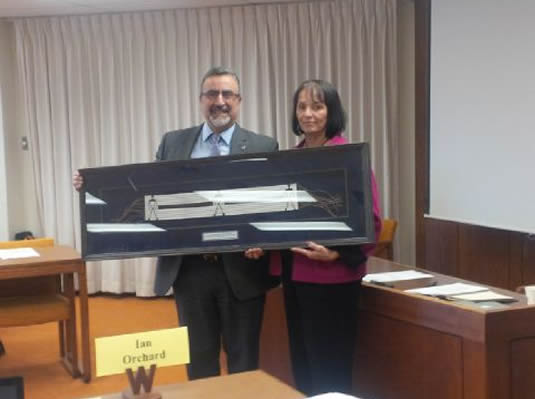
(189, 141)
(238, 144)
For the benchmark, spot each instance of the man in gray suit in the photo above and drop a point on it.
(219, 297)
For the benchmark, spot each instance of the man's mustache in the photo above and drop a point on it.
(222, 108)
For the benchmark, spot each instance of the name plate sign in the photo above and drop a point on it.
(227, 204)
(169, 347)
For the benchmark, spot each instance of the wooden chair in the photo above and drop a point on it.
(36, 300)
(385, 248)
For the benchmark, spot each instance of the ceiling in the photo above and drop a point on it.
(32, 8)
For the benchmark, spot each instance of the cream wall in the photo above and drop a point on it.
(18, 190)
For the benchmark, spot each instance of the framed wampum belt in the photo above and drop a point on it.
(221, 204)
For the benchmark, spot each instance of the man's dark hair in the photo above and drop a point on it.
(220, 71)
(326, 93)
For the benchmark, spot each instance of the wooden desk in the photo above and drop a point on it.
(249, 385)
(63, 261)
(411, 346)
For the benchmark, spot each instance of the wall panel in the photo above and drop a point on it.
(495, 257)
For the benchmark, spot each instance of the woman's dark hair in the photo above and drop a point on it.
(326, 93)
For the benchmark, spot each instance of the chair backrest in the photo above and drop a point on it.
(32, 285)
(385, 248)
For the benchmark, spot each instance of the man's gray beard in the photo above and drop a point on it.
(220, 121)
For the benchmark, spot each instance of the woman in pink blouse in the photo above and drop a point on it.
(321, 284)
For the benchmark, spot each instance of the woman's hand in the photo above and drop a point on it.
(317, 252)
(254, 253)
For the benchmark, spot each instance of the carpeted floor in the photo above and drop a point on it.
(33, 352)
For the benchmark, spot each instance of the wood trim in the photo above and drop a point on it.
(442, 246)
(484, 255)
(491, 256)
(422, 17)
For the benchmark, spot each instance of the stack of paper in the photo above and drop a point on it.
(448, 289)
(17, 253)
(395, 276)
(484, 296)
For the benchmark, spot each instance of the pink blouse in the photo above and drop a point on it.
(313, 271)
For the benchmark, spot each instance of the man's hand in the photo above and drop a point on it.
(254, 253)
(77, 180)
(317, 252)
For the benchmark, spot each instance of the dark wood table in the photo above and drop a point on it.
(417, 347)
(65, 262)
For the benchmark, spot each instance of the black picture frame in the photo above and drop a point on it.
(12, 388)
(269, 200)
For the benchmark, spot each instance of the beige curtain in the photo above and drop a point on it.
(102, 89)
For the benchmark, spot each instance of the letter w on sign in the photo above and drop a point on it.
(141, 378)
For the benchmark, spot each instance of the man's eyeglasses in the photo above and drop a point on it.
(214, 94)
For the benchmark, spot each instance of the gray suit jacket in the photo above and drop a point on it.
(247, 278)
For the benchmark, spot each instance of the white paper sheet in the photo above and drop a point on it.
(18, 253)
(483, 296)
(448, 289)
(395, 276)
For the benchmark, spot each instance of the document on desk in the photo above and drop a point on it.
(484, 296)
(395, 276)
(448, 290)
(18, 253)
